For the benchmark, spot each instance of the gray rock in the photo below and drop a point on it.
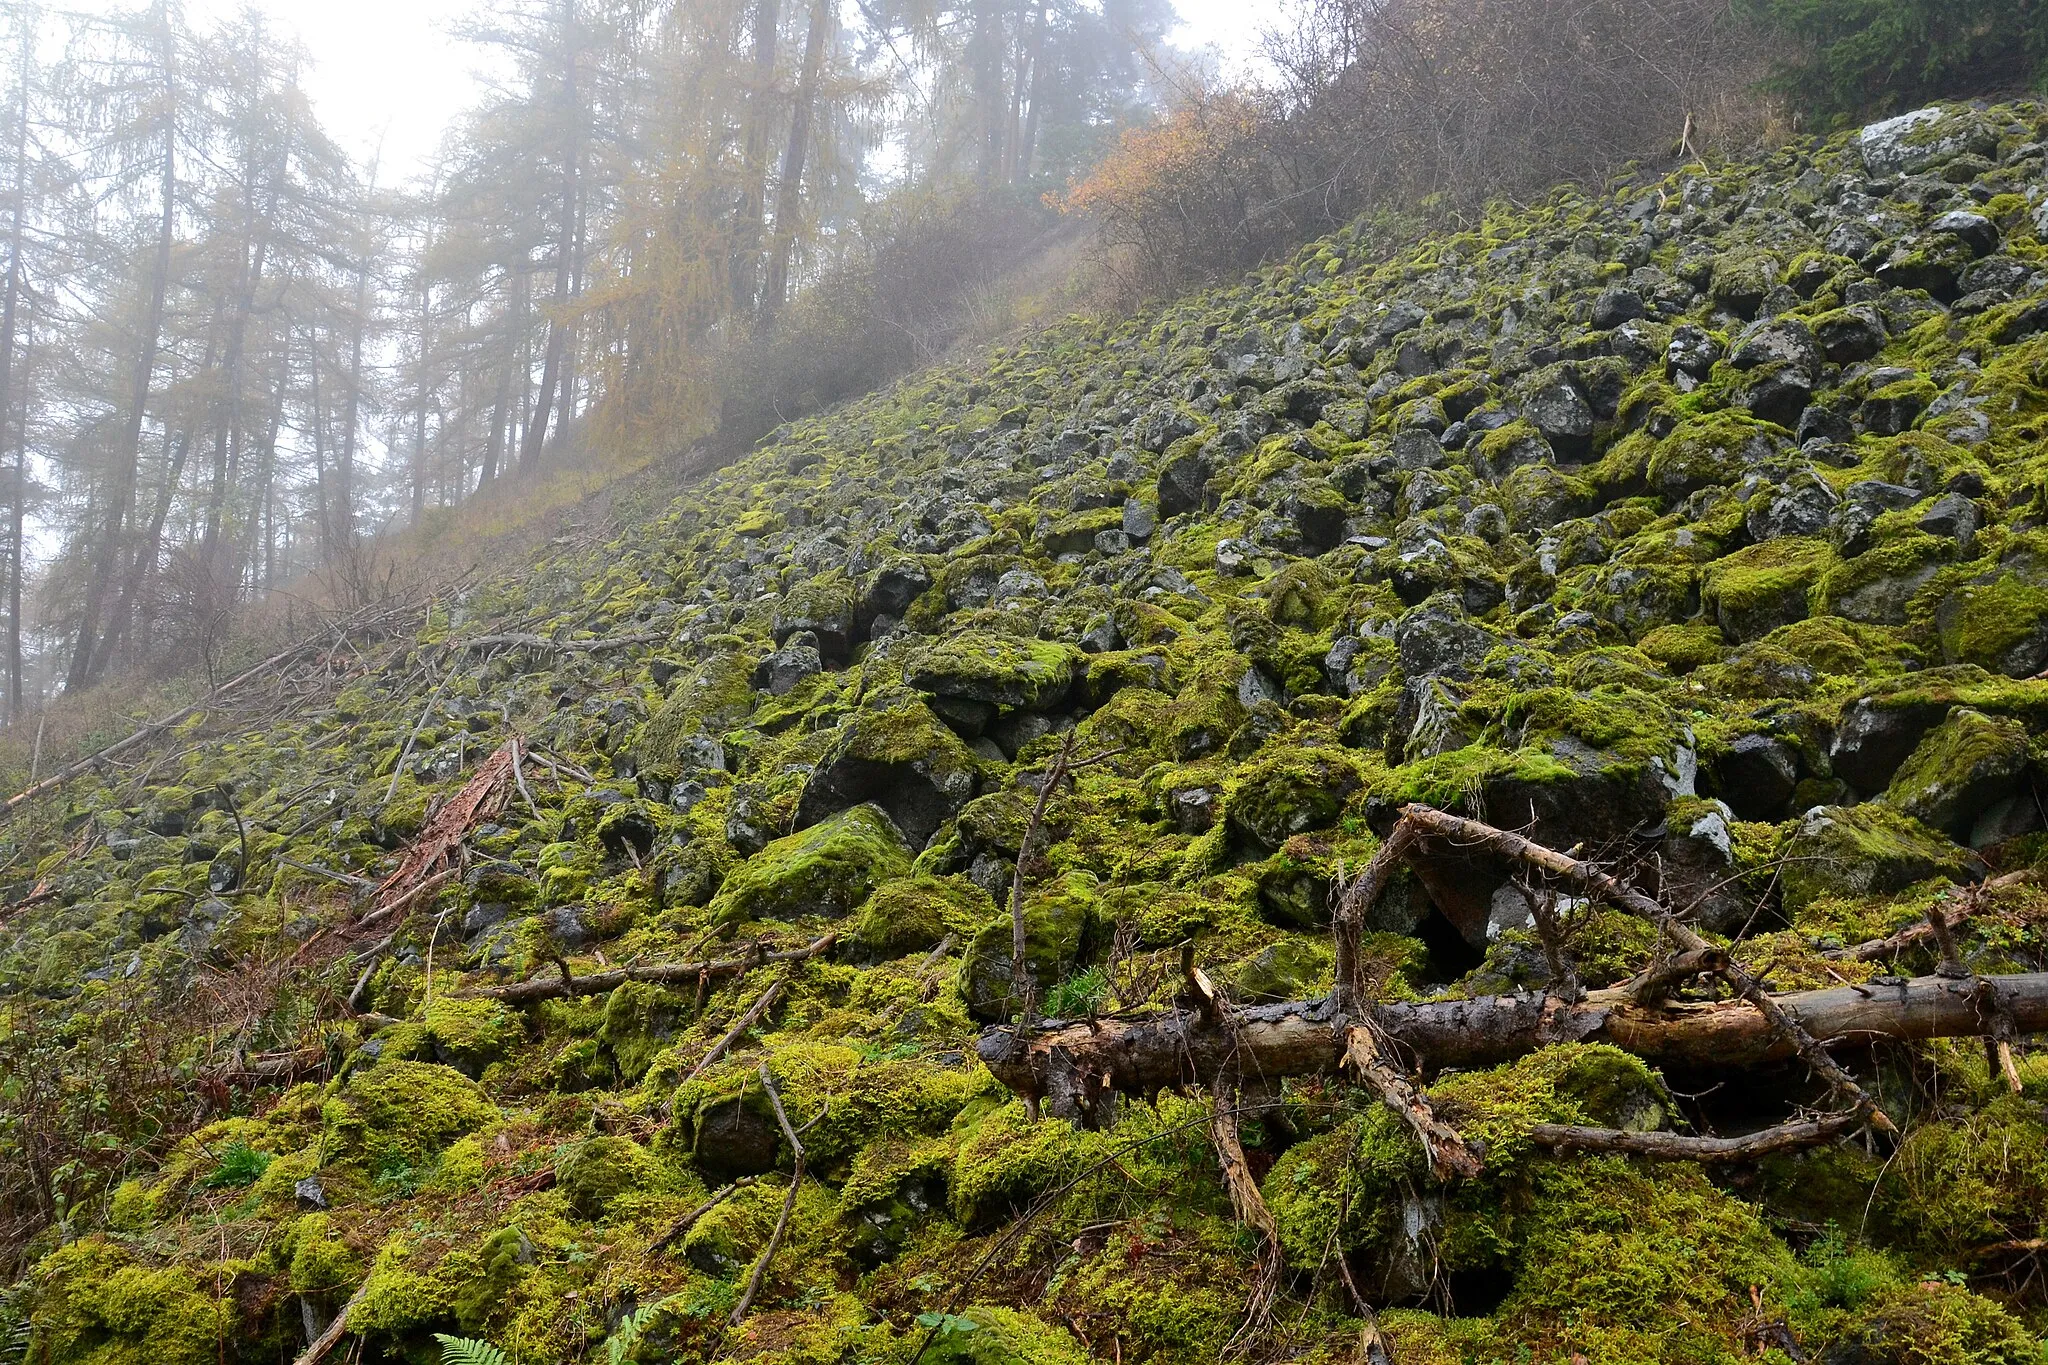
(1953, 516)
(1693, 351)
(1803, 506)
(1141, 519)
(1979, 233)
(1964, 766)
(1699, 871)
(2012, 818)
(1615, 306)
(1561, 413)
(1850, 334)
(1919, 141)
(783, 671)
(1434, 640)
(1183, 485)
(1756, 777)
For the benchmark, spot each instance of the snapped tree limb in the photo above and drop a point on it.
(660, 973)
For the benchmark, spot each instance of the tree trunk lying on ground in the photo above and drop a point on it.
(1070, 1068)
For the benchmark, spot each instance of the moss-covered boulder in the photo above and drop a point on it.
(1963, 767)
(828, 869)
(998, 670)
(896, 754)
(1862, 851)
(1062, 931)
(912, 914)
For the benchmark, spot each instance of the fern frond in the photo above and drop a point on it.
(468, 1351)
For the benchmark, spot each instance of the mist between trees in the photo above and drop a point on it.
(233, 359)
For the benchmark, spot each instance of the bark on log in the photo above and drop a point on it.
(1175, 1048)
(1446, 1151)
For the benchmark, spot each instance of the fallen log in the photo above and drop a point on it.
(1176, 1048)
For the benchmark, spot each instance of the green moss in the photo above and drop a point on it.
(912, 914)
(320, 1261)
(1682, 648)
(1714, 448)
(986, 1334)
(1861, 851)
(594, 1172)
(403, 1113)
(1992, 624)
(471, 1033)
(1063, 931)
(1001, 669)
(1758, 590)
(92, 1305)
(828, 869)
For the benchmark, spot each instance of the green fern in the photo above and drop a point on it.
(619, 1345)
(467, 1351)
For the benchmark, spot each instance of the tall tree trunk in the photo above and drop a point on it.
(18, 492)
(1027, 148)
(789, 192)
(323, 504)
(85, 656)
(565, 248)
(746, 255)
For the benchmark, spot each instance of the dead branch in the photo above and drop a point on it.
(183, 713)
(796, 1180)
(682, 1225)
(1590, 881)
(746, 1021)
(541, 642)
(336, 1329)
(1678, 1147)
(1251, 1211)
(1913, 934)
(1020, 965)
(660, 973)
(1445, 1149)
(1348, 919)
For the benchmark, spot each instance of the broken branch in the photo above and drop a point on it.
(660, 973)
(796, 1179)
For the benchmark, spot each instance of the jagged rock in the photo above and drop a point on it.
(1953, 517)
(1756, 777)
(890, 590)
(1183, 485)
(1847, 335)
(788, 667)
(1699, 870)
(1921, 140)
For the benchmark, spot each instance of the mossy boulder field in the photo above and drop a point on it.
(617, 958)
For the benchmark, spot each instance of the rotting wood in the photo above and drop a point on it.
(1592, 882)
(1348, 917)
(1146, 1054)
(1442, 1145)
(1251, 1209)
(1663, 1146)
(481, 796)
(336, 1330)
(660, 973)
(796, 1180)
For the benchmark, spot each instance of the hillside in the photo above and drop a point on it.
(481, 970)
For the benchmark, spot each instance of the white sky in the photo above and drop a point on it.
(389, 71)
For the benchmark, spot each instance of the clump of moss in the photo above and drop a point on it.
(828, 869)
